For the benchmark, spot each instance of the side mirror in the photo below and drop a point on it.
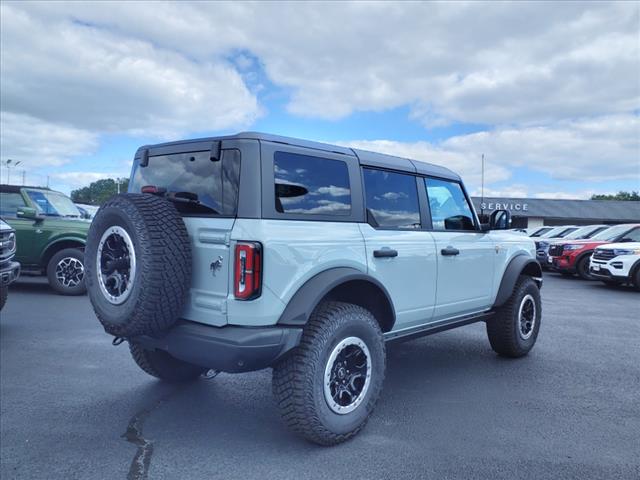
(28, 212)
(500, 220)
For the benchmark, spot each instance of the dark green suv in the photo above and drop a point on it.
(50, 233)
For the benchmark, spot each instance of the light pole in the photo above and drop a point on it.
(8, 163)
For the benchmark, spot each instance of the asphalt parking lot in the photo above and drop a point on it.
(74, 406)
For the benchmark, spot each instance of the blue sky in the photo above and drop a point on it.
(549, 93)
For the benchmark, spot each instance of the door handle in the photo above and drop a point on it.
(385, 253)
(449, 251)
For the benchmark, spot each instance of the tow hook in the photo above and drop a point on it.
(117, 341)
(210, 374)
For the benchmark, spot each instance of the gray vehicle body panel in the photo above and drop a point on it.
(309, 256)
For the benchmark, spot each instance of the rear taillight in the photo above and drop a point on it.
(248, 271)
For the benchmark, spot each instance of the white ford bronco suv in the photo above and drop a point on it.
(250, 251)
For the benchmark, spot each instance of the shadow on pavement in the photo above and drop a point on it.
(31, 285)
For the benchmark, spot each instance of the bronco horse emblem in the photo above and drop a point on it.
(216, 265)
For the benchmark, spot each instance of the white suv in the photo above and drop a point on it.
(617, 263)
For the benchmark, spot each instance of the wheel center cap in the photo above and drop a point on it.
(341, 373)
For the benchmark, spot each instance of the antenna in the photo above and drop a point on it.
(482, 189)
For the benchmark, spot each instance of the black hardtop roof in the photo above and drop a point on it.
(365, 157)
(16, 188)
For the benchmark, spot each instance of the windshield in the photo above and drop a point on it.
(53, 204)
(552, 233)
(578, 233)
(196, 184)
(564, 233)
(611, 233)
(540, 232)
(584, 232)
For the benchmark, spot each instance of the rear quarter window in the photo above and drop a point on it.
(311, 185)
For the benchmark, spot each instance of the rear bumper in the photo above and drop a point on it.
(227, 349)
(9, 273)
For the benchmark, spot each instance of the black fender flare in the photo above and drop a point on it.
(310, 294)
(515, 268)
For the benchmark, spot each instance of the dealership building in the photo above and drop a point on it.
(535, 212)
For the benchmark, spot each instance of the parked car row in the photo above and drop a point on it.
(607, 253)
(51, 234)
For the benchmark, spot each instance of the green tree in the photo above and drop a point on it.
(98, 192)
(621, 195)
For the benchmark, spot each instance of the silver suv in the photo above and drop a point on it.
(251, 251)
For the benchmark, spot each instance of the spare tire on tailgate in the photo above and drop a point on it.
(138, 264)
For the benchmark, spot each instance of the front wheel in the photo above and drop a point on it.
(4, 293)
(636, 279)
(514, 328)
(582, 268)
(328, 386)
(65, 272)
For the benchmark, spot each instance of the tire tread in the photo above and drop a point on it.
(293, 378)
(501, 328)
(165, 268)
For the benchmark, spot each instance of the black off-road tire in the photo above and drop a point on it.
(162, 365)
(73, 254)
(162, 252)
(503, 329)
(582, 268)
(636, 278)
(298, 380)
(4, 293)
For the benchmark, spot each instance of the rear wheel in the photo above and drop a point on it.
(65, 272)
(160, 364)
(514, 328)
(328, 386)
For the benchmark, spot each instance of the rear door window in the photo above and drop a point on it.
(391, 199)
(200, 186)
(311, 185)
(450, 209)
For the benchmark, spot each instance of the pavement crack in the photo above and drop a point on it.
(139, 468)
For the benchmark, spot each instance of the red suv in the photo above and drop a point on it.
(572, 256)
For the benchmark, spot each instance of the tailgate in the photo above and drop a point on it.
(207, 301)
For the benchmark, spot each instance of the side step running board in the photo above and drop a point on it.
(435, 327)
